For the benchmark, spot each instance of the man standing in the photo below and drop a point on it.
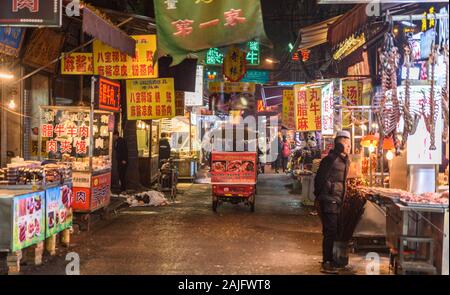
(121, 149)
(164, 148)
(329, 189)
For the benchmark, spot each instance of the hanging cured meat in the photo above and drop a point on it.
(388, 115)
(431, 116)
(411, 120)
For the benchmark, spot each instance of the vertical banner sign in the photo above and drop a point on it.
(192, 26)
(327, 110)
(179, 103)
(113, 64)
(31, 13)
(77, 63)
(351, 96)
(288, 116)
(107, 95)
(150, 99)
(234, 64)
(308, 115)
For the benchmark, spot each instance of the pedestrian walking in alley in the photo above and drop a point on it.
(329, 189)
(121, 149)
(164, 148)
(285, 153)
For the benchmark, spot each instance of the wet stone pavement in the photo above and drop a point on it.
(280, 237)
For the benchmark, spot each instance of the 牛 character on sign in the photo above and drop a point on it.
(59, 130)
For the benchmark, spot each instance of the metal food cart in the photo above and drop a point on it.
(82, 137)
(233, 178)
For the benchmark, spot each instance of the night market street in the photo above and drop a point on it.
(280, 237)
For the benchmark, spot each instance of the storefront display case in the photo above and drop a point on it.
(185, 147)
(147, 133)
(83, 139)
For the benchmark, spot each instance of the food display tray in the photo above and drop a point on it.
(424, 205)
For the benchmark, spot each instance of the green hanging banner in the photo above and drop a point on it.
(186, 27)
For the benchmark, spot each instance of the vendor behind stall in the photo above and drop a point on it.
(164, 148)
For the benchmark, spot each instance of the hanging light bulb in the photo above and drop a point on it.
(374, 126)
(12, 104)
(363, 127)
(371, 148)
(389, 155)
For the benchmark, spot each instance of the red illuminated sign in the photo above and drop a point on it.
(107, 95)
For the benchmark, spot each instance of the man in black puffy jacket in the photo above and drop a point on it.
(164, 148)
(329, 189)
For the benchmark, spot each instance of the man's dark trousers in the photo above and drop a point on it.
(330, 227)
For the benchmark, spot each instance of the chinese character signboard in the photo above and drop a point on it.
(327, 110)
(113, 64)
(31, 13)
(11, 40)
(67, 132)
(43, 47)
(214, 56)
(150, 99)
(234, 64)
(308, 114)
(418, 144)
(288, 115)
(351, 96)
(179, 103)
(192, 26)
(107, 95)
(77, 63)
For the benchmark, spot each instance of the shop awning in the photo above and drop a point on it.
(315, 34)
(347, 25)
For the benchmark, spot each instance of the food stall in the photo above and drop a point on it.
(83, 139)
(35, 204)
(185, 148)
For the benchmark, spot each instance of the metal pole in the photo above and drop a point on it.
(3, 130)
(91, 123)
(190, 133)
